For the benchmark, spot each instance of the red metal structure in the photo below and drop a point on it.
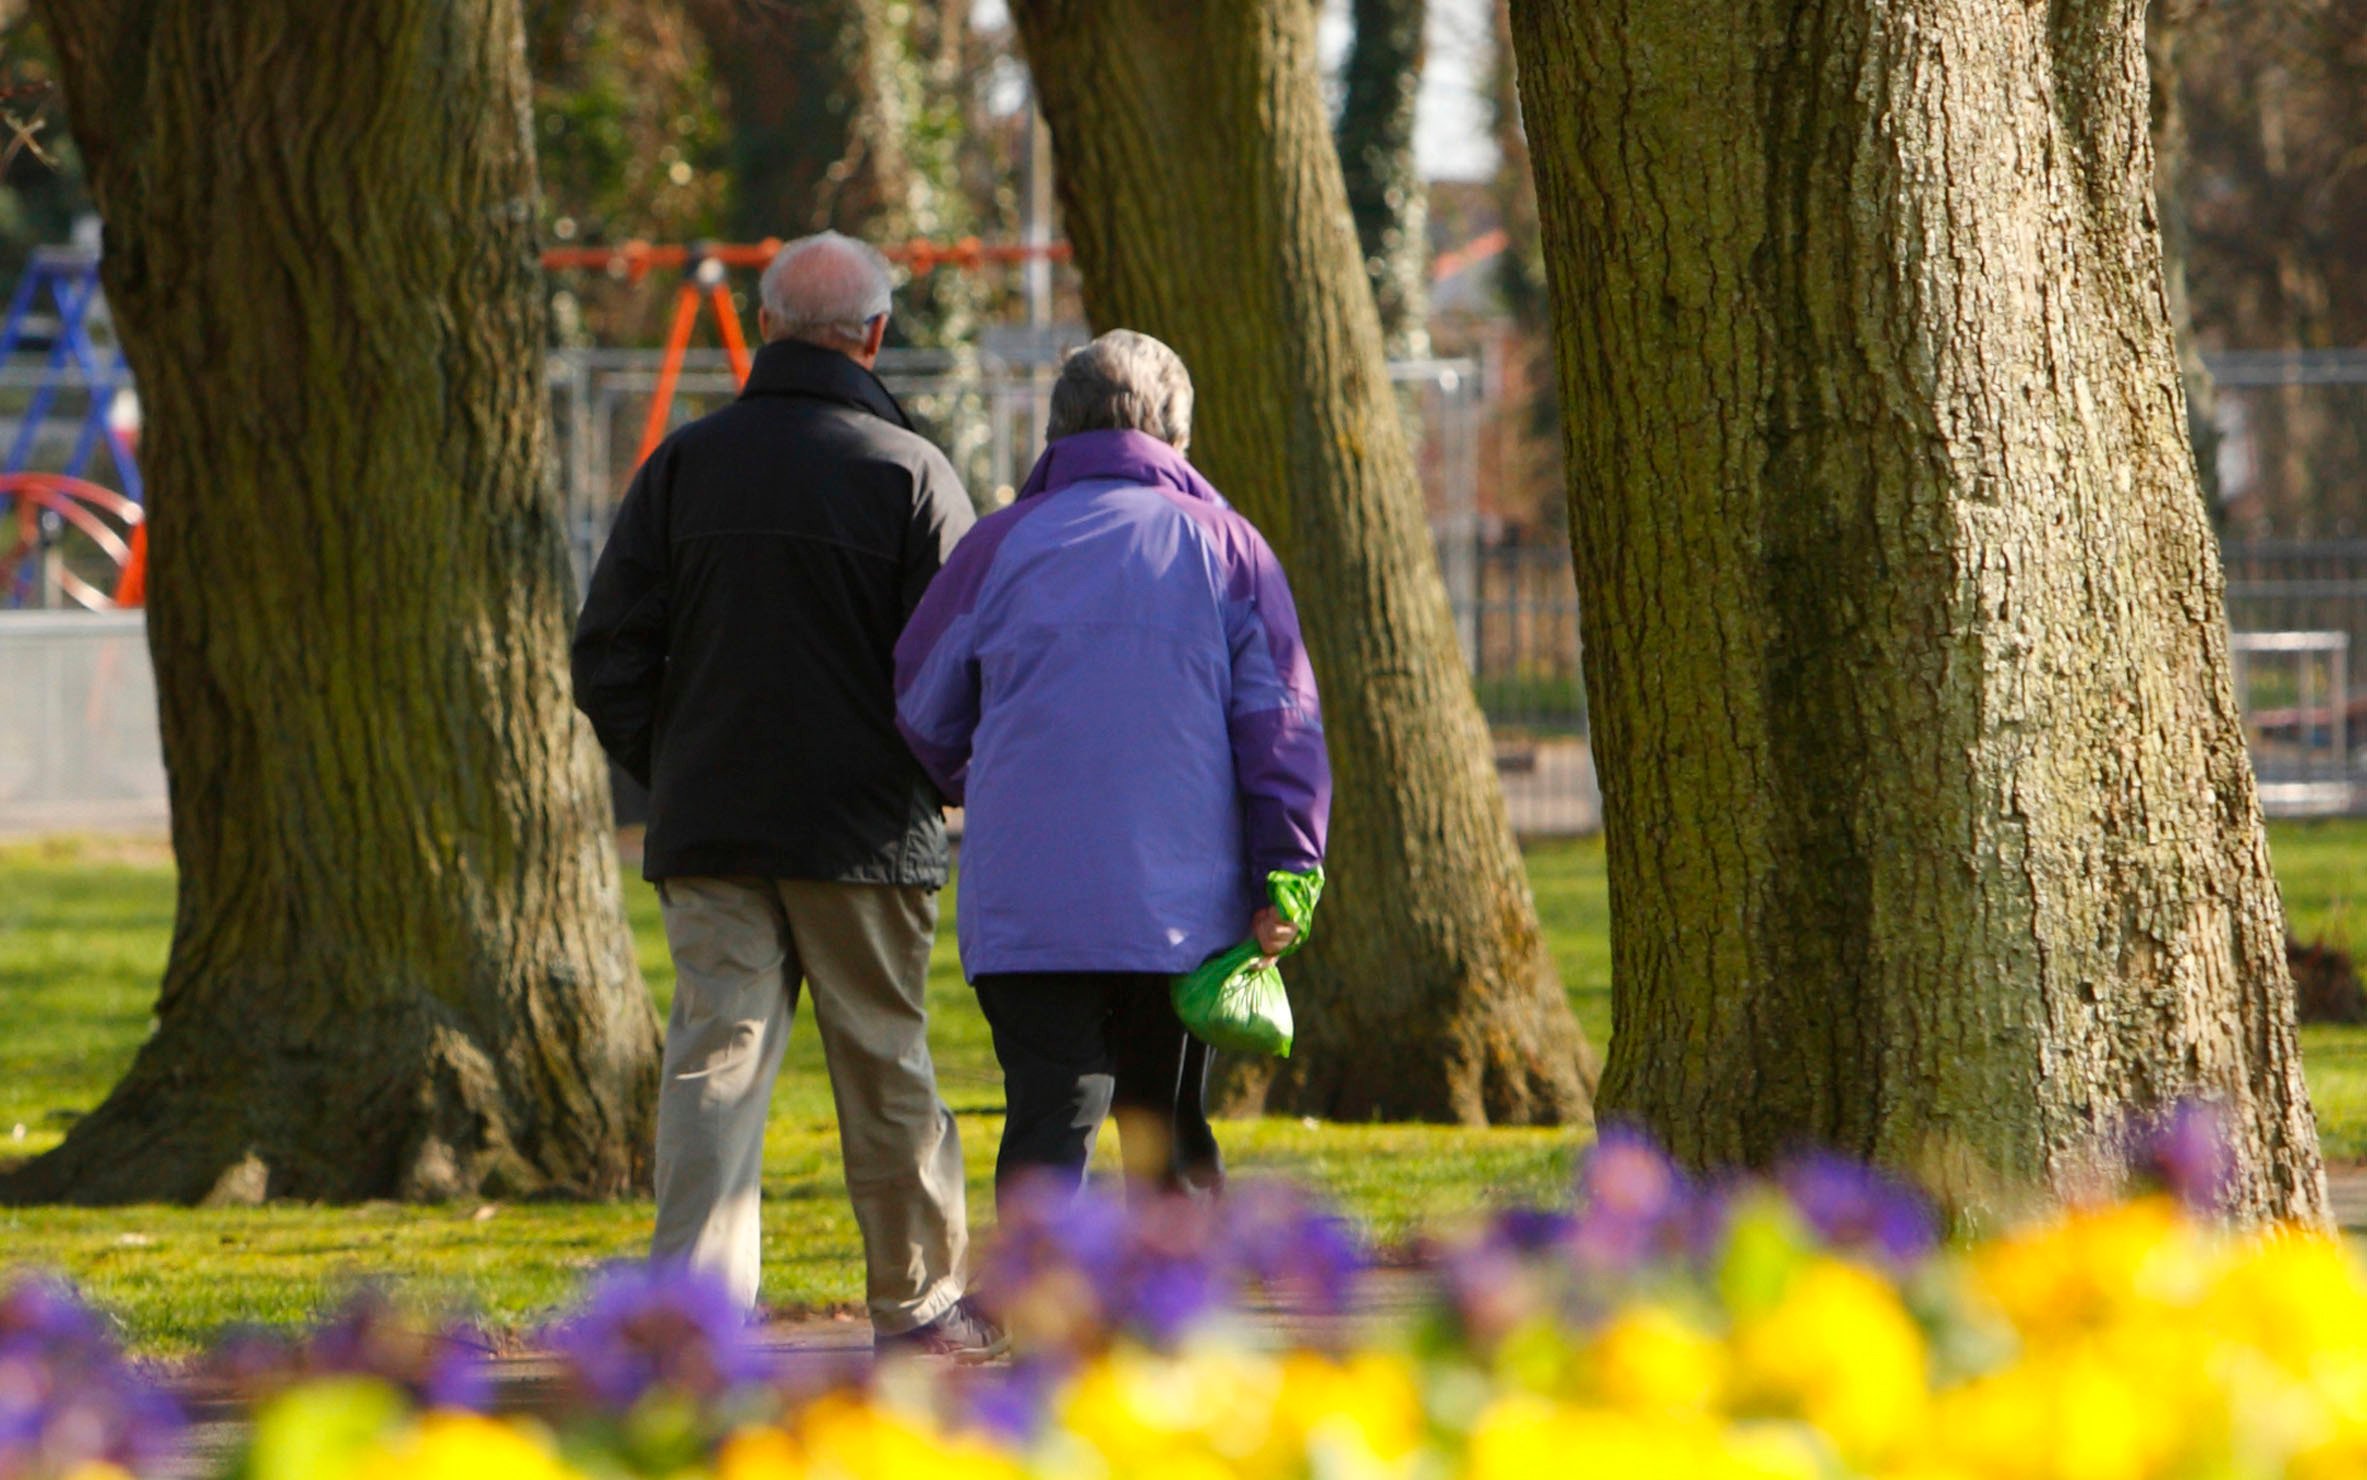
(89, 507)
(84, 506)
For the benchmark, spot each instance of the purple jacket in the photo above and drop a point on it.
(1108, 674)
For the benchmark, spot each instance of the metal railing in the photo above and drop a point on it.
(78, 746)
(77, 727)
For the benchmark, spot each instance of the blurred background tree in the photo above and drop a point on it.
(1380, 83)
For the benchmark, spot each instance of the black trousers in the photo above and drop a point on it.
(1076, 1047)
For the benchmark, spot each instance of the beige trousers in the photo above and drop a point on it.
(741, 949)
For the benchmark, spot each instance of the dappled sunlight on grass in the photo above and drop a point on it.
(83, 933)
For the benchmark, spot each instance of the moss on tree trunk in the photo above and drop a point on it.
(1932, 835)
(399, 964)
(1203, 195)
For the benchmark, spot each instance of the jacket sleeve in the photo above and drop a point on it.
(619, 657)
(1276, 720)
(937, 686)
(941, 515)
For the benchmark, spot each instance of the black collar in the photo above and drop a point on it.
(787, 367)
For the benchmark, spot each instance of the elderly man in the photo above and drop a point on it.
(1110, 671)
(734, 654)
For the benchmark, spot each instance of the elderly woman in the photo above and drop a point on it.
(1108, 675)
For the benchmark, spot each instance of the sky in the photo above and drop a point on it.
(1451, 119)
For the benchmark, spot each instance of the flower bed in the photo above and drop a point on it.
(1808, 1325)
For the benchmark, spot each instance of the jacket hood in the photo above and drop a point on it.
(1135, 457)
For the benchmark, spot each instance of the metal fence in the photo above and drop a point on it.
(985, 409)
(2298, 611)
(78, 745)
(77, 728)
(2286, 442)
(78, 748)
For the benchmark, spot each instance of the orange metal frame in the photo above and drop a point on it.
(703, 264)
(73, 500)
(633, 260)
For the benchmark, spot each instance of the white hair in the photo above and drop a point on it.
(1127, 381)
(826, 286)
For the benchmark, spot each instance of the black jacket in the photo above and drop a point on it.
(735, 652)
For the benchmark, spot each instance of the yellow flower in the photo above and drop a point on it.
(462, 1446)
(759, 1454)
(1839, 1351)
(2092, 1266)
(1360, 1417)
(1524, 1436)
(98, 1469)
(1149, 1414)
(1648, 1360)
(2079, 1415)
(845, 1438)
(2292, 1297)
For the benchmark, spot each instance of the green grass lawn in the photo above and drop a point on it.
(83, 931)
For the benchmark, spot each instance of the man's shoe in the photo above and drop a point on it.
(963, 1333)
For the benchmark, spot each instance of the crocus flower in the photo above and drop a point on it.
(1857, 1209)
(369, 1337)
(1298, 1253)
(1012, 1404)
(646, 1329)
(2186, 1151)
(1635, 1206)
(68, 1398)
(1050, 1238)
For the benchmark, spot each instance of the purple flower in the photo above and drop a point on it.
(2186, 1151)
(645, 1329)
(1528, 1231)
(1297, 1253)
(366, 1336)
(67, 1396)
(1073, 1270)
(1051, 1235)
(369, 1337)
(460, 1374)
(1173, 1271)
(1489, 1289)
(1635, 1206)
(1012, 1404)
(1854, 1207)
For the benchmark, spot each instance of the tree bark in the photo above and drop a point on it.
(2166, 22)
(1383, 78)
(399, 963)
(1203, 197)
(1932, 835)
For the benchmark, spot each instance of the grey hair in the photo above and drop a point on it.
(826, 286)
(1127, 381)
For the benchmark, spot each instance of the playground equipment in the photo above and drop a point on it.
(704, 267)
(83, 506)
(55, 505)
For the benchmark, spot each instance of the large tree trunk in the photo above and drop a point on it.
(399, 964)
(1932, 835)
(1381, 82)
(1204, 201)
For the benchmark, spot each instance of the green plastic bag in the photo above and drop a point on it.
(1234, 1000)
